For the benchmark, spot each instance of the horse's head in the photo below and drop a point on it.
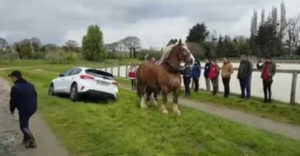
(182, 53)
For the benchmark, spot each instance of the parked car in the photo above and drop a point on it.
(80, 81)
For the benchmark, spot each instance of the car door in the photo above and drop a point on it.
(61, 81)
(70, 79)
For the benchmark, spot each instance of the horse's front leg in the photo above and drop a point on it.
(175, 102)
(165, 100)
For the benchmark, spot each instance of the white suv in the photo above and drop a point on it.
(80, 81)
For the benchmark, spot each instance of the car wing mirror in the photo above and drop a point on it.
(61, 75)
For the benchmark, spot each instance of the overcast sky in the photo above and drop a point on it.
(153, 21)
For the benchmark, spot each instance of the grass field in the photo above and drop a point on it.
(121, 128)
(278, 111)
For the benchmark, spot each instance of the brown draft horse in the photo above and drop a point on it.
(165, 76)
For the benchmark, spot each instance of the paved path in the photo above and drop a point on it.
(11, 137)
(285, 129)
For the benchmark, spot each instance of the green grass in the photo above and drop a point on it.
(121, 128)
(278, 111)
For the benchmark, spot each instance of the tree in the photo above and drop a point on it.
(262, 18)
(132, 43)
(293, 34)
(35, 44)
(92, 44)
(49, 47)
(253, 28)
(283, 22)
(198, 33)
(298, 51)
(267, 39)
(71, 45)
(172, 41)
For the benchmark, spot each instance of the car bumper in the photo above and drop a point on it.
(99, 94)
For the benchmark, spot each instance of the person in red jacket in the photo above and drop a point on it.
(132, 76)
(214, 75)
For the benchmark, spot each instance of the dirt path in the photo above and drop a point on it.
(288, 130)
(11, 137)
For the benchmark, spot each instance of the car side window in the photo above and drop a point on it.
(69, 72)
(76, 71)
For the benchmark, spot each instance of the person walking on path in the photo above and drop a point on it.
(244, 76)
(187, 76)
(196, 74)
(268, 71)
(206, 74)
(227, 70)
(23, 97)
(132, 76)
(214, 76)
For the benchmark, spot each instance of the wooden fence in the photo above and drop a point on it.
(294, 73)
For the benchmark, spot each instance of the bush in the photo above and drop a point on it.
(62, 57)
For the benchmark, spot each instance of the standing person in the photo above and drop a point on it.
(206, 74)
(23, 96)
(268, 71)
(244, 76)
(132, 76)
(214, 76)
(187, 76)
(227, 70)
(196, 74)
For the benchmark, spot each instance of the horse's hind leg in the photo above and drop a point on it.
(163, 105)
(154, 98)
(175, 102)
(141, 91)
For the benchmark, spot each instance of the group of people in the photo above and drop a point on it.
(212, 72)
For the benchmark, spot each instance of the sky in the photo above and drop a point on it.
(153, 21)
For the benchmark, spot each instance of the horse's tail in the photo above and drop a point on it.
(140, 81)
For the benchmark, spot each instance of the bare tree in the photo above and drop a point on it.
(35, 44)
(293, 31)
(71, 45)
(132, 43)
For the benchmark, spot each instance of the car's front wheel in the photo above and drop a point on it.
(74, 93)
(51, 90)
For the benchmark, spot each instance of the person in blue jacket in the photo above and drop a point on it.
(206, 73)
(187, 75)
(23, 97)
(196, 74)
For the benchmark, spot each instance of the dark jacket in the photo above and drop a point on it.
(23, 97)
(196, 70)
(245, 69)
(187, 72)
(206, 69)
(271, 69)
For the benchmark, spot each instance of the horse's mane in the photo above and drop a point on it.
(167, 52)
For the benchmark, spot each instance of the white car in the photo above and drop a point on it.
(81, 81)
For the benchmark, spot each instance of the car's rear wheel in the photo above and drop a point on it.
(74, 93)
(51, 90)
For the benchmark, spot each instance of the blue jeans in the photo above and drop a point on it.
(245, 87)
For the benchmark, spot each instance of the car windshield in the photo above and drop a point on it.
(99, 73)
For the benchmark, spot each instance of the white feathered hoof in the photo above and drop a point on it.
(176, 110)
(143, 104)
(154, 102)
(164, 110)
